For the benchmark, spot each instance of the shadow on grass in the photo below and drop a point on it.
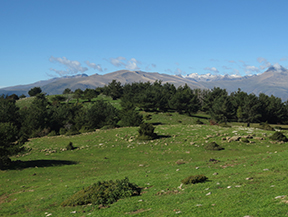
(162, 136)
(18, 164)
(156, 123)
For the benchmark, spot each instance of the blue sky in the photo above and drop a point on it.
(50, 38)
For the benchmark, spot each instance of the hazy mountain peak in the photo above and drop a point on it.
(276, 67)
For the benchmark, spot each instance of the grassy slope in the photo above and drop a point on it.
(48, 178)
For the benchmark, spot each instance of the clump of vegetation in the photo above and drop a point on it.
(213, 146)
(278, 136)
(146, 131)
(265, 126)
(194, 179)
(103, 193)
(244, 140)
(52, 133)
(148, 117)
(62, 131)
(168, 114)
(70, 146)
(198, 122)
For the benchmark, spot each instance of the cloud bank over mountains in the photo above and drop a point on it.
(231, 70)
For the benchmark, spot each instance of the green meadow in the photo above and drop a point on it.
(244, 179)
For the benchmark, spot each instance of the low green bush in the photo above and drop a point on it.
(213, 146)
(146, 132)
(62, 131)
(147, 117)
(198, 122)
(265, 126)
(244, 140)
(70, 146)
(52, 133)
(194, 179)
(106, 192)
(278, 136)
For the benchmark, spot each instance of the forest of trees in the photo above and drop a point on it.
(58, 116)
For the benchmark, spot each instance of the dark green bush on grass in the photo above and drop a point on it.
(198, 122)
(146, 131)
(213, 146)
(70, 146)
(106, 192)
(278, 136)
(194, 179)
(244, 140)
(148, 117)
(265, 126)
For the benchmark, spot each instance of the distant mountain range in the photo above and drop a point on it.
(274, 81)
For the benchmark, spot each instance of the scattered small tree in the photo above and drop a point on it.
(146, 131)
(34, 91)
(8, 143)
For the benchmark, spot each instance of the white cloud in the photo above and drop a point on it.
(94, 66)
(72, 67)
(212, 69)
(283, 59)
(132, 64)
(264, 62)
(117, 61)
(251, 69)
(153, 65)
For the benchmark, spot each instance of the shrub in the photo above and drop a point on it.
(213, 146)
(52, 133)
(194, 179)
(265, 126)
(279, 137)
(70, 146)
(244, 140)
(62, 131)
(198, 122)
(148, 117)
(146, 131)
(106, 192)
(130, 118)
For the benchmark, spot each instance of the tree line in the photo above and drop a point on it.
(58, 116)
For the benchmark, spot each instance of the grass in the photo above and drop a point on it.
(48, 175)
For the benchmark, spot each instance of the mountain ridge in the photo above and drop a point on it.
(271, 82)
